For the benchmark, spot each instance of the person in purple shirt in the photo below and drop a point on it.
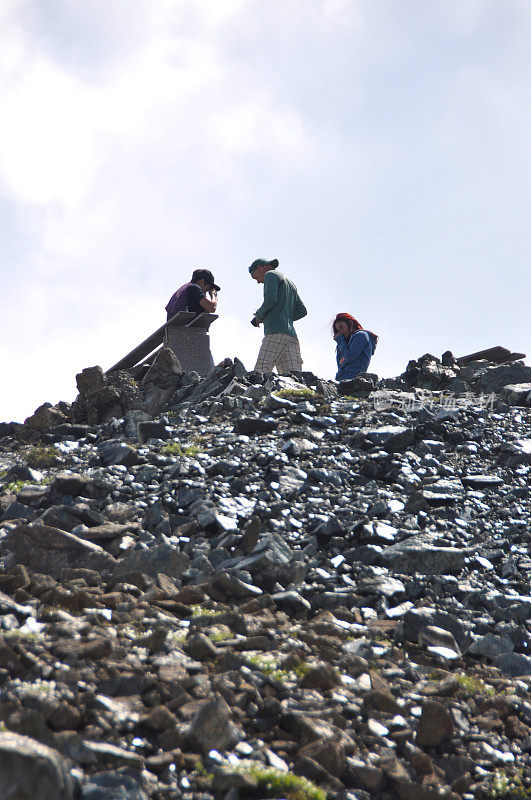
(192, 296)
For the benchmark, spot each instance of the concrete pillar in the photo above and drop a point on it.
(187, 335)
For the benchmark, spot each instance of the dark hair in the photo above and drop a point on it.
(206, 275)
(352, 323)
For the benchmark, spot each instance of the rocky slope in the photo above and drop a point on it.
(253, 586)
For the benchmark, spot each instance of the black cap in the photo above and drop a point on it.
(205, 275)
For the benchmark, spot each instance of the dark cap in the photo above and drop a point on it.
(262, 262)
(205, 275)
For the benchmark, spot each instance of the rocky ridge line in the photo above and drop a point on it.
(251, 586)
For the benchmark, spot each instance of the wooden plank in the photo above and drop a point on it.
(203, 320)
(180, 319)
(148, 359)
(140, 352)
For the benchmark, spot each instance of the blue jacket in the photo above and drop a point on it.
(354, 356)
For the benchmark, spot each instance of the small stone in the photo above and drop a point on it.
(435, 724)
(323, 677)
(160, 718)
(329, 753)
(212, 727)
(251, 534)
(201, 648)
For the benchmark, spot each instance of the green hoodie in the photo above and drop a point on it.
(282, 304)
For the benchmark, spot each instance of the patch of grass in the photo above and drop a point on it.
(271, 782)
(176, 637)
(265, 662)
(510, 787)
(268, 664)
(296, 394)
(203, 773)
(14, 487)
(380, 638)
(301, 669)
(177, 449)
(23, 636)
(276, 783)
(220, 633)
(200, 611)
(474, 685)
(43, 457)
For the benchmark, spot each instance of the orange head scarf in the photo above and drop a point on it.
(348, 318)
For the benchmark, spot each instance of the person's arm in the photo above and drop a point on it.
(342, 348)
(197, 301)
(355, 346)
(299, 309)
(211, 304)
(271, 283)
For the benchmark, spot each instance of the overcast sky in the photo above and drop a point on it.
(378, 148)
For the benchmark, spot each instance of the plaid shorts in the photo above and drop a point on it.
(279, 350)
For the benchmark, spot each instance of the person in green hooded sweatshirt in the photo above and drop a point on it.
(282, 306)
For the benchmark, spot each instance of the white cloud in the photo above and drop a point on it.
(379, 151)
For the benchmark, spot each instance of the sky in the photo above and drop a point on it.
(378, 148)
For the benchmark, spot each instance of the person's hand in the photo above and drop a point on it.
(255, 322)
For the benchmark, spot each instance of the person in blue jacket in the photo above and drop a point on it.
(354, 346)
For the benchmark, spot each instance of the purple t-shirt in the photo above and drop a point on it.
(187, 298)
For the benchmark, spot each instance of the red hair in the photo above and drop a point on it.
(353, 323)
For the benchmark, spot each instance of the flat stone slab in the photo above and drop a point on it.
(482, 481)
(443, 492)
(516, 453)
(418, 555)
(391, 437)
(50, 550)
(161, 558)
(496, 355)
(513, 664)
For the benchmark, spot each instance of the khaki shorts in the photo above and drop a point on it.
(279, 350)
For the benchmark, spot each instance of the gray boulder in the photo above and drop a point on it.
(30, 770)
(418, 555)
(492, 379)
(112, 786)
(161, 558)
(50, 550)
(513, 664)
(513, 454)
(90, 379)
(163, 371)
(114, 451)
(491, 646)
(212, 726)
(393, 438)
(517, 394)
